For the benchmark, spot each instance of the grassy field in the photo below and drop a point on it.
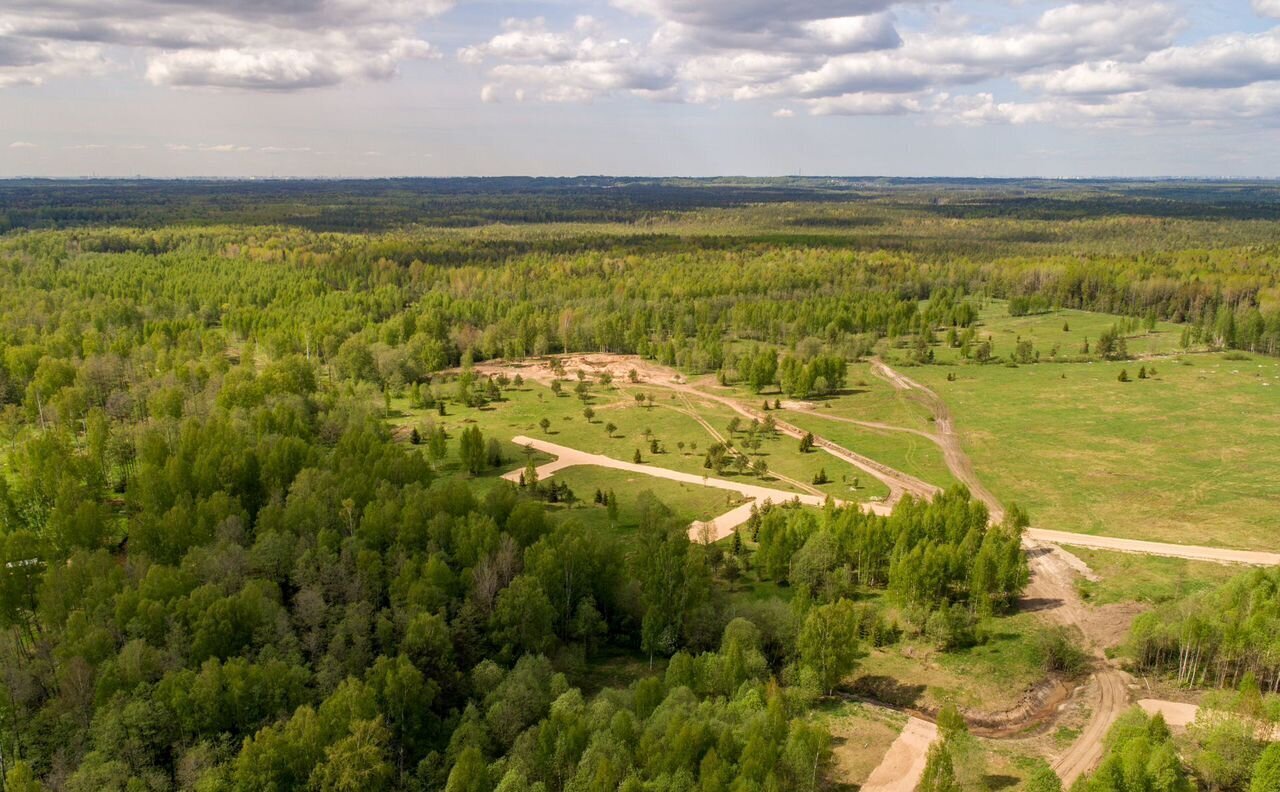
(1129, 577)
(1189, 455)
(1061, 334)
(683, 440)
(688, 502)
(904, 451)
(783, 456)
(990, 676)
(521, 410)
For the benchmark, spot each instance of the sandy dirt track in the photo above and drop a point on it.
(903, 764)
(713, 530)
(1194, 552)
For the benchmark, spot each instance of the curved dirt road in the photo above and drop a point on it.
(899, 483)
(712, 530)
(957, 460)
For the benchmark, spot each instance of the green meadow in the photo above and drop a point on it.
(1190, 454)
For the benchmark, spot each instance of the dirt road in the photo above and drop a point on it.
(713, 530)
(957, 460)
(1218, 555)
(903, 764)
(620, 367)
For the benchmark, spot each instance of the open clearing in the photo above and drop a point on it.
(689, 502)
(1191, 455)
(718, 528)
(1147, 579)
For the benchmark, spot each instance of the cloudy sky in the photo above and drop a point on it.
(697, 87)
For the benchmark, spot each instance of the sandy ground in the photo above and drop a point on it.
(903, 764)
(1180, 715)
(1176, 713)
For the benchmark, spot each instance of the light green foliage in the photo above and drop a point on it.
(1140, 755)
(828, 643)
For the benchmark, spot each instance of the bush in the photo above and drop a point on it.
(1060, 652)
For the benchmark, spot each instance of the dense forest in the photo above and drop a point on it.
(220, 568)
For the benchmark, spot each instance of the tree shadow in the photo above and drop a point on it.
(996, 781)
(888, 690)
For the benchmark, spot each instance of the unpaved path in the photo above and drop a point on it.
(900, 484)
(648, 373)
(952, 451)
(1050, 592)
(719, 438)
(1218, 555)
(903, 764)
(714, 530)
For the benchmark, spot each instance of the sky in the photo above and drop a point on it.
(368, 88)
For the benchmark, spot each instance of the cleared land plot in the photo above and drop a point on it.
(521, 410)
(989, 677)
(1190, 455)
(1129, 577)
(688, 502)
(912, 454)
(782, 455)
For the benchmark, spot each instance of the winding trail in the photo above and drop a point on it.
(952, 451)
(900, 484)
(1050, 592)
(710, 531)
(689, 411)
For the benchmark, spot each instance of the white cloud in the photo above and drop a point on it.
(22, 144)
(213, 148)
(1267, 8)
(253, 44)
(571, 66)
(860, 104)
(1086, 79)
(784, 112)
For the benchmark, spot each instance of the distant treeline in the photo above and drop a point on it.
(380, 204)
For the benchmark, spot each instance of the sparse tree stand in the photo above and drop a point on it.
(806, 443)
(529, 478)
(588, 413)
(545, 424)
(637, 458)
